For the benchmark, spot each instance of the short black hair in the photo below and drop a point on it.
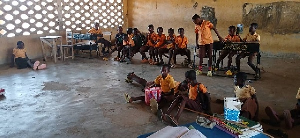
(160, 28)
(171, 30)
(231, 27)
(255, 25)
(241, 75)
(166, 66)
(150, 26)
(129, 30)
(135, 29)
(180, 29)
(195, 17)
(191, 74)
(20, 42)
(120, 27)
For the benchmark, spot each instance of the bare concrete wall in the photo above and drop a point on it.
(178, 13)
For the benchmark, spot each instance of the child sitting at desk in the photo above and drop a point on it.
(151, 38)
(95, 31)
(20, 57)
(181, 42)
(197, 99)
(168, 47)
(119, 42)
(252, 36)
(291, 117)
(231, 37)
(204, 41)
(165, 81)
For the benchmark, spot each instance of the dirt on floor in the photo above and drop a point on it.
(85, 97)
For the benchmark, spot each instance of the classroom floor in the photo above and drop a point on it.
(84, 97)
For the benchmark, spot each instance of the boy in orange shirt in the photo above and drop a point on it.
(96, 31)
(151, 38)
(231, 37)
(181, 42)
(160, 41)
(198, 99)
(168, 47)
(204, 41)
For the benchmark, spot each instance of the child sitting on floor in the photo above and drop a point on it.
(165, 81)
(247, 96)
(291, 117)
(20, 57)
(231, 37)
(168, 47)
(181, 42)
(198, 99)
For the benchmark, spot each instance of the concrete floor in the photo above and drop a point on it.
(84, 97)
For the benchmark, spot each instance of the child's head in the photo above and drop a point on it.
(196, 19)
(96, 25)
(190, 76)
(20, 45)
(183, 86)
(170, 31)
(120, 29)
(181, 31)
(129, 31)
(135, 31)
(150, 28)
(253, 28)
(165, 69)
(231, 30)
(160, 30)
(240, 79)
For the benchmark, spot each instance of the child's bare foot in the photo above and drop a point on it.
(42, 66)
(272, 114)
(35, 65)
(130, 75)
(288, 119)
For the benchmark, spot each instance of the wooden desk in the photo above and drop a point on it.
(51, 41)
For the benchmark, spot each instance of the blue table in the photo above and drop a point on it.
(210, 133)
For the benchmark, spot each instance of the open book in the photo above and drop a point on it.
(177, 132)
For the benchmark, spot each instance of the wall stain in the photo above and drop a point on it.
(208, 13)
(276, 18)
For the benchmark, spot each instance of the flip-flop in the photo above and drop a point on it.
(127, 97)
(272, 114)
(173, 122)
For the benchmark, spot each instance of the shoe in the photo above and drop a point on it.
(173, 66)
(228, 73)
(209, 74)
(199, 72)
(190, 66)
(116, 59)
(105, 59)
(127, 98)
(144, 60)
(150, 61)
(153, 105)
(288, 119)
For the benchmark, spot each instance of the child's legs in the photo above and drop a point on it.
(202, 51)
(188, 54)
(224, 53)
(161, 51)
(136, 78)
(182, 106)
(143, 49)
(151, 52)
(174, 104)
(21, 63)
(209, 54)
(155, 53)
(250, 61)
(171, 52)
(230, 55)
(119, 48)
(141, 98)
(176, 51)
(238, 60)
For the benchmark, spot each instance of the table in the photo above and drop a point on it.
(51, 41)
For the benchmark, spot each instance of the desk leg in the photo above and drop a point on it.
(54, 51)
(62, 56)
(43, 51)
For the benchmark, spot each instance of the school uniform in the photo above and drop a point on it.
(20, 58)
